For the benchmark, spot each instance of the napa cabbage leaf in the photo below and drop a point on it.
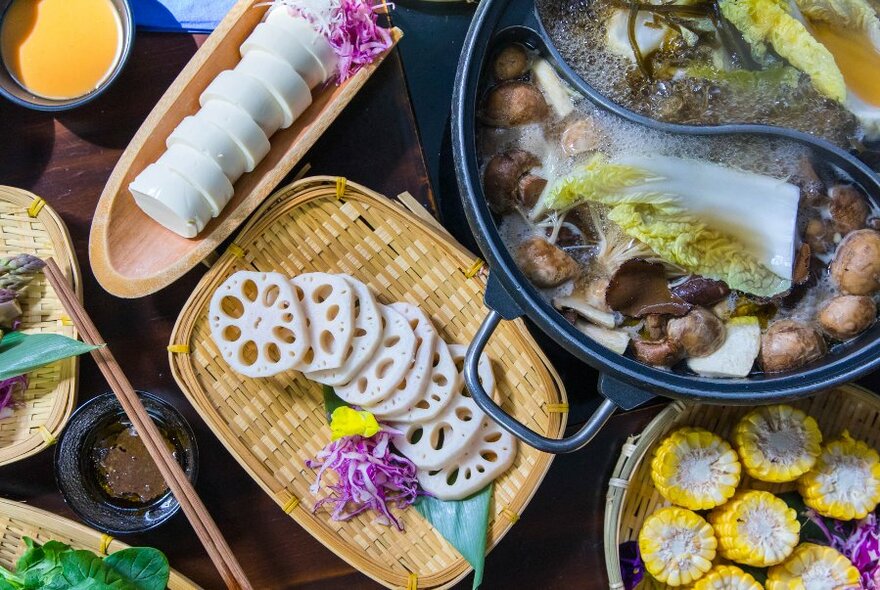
(711, 220)
(852, 15)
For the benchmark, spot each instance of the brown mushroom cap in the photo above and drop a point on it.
(700, 332)
(846, 316)
(849, 208)
(514, 103)
(701, 291)
(511, 62)
(663, 353)
(502, 177)
(856, 265)
(788, 345)
(529, 189)
(639, 288)
(544, 264)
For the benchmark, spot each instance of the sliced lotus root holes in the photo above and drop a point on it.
(414, 384)
(328, 301)
(484, 369)
(368, 329)
(387, 367)
(258, 324)
(444, 383)
(492, 453)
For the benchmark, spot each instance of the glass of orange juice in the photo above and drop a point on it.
(58, 54)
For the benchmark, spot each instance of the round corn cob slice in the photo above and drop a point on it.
(777, 443)
(814, 567)
(695, 469)
(755, 528)
(727, 577)
(677, 546)
(845, 482)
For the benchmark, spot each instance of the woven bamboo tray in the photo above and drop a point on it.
(132, 255)
(631, 493)
(28, 225)
(272, 426)
(19, 520)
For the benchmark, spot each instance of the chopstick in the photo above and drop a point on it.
(205, 527)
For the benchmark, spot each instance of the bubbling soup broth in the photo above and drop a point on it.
(721, 256)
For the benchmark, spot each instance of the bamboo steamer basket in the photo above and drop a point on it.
(631, 493)
(272, 426)
(19, 520)
(132, 255)
(28, 225)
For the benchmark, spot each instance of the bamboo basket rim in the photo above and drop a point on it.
(298, 194)
(633, 453)
(38, 210)
(83, 536)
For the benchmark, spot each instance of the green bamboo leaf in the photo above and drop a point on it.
(331, 401)
(464, 523)
(22, 353)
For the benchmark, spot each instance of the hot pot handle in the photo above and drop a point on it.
(511, 424)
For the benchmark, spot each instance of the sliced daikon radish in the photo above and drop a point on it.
(300, 29)
(258, 324)
(367, 336)
(247, 94)
(170, 200)
(444, 383)
(381, 375)
(246, 134)
(212, 141)
(415, 382)
(329, 304)
(491, 454)
(200, 171)
(275, 40)
(287, 87)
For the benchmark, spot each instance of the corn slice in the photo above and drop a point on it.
(755, 528)
(677, 546)
(727, 577)
(845, 482)
(695, 469)
(814, 567)
(777, 443)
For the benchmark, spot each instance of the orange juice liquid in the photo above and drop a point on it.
(857, 59)
(61, 49)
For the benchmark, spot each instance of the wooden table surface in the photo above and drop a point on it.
(66, 159)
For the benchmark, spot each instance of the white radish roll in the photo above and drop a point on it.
(246, 134)
(287, 87)
(388, 366)
(303, 31)
(207, 138)
(257, 323)
(283, 45)
(200, 171)
(328, 301)
(247, 94)
(170, 200)
(415, 382)
(368, 331)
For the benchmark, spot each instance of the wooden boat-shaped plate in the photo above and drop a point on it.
(273, 426)
(19, 520)
(29, 226)
(132, 255)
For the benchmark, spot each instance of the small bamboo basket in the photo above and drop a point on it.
(272, 426)
(28, 225)
(631, 493)
(19, 520)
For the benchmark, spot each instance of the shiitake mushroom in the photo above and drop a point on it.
(789, 345)
(699, 333)
(511, 62)
(544, 264)
(856, 265)
(502, 179)
(849, 209)
(514, 103)
(846, 316)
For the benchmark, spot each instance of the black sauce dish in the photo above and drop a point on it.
(78, 475)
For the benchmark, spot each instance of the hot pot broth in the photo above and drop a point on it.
(695, 66)
(538, 142)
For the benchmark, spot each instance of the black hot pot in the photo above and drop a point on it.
(624, 382)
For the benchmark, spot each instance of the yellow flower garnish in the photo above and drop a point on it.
(346, 421)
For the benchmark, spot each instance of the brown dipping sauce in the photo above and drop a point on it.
(124, 467)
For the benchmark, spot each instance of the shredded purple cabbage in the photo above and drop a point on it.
(632, 569)
(859, 542)
(8, 390)
(370, 477)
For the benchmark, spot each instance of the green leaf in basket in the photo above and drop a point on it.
(331, 401)
(464, 523)
(22, 353)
